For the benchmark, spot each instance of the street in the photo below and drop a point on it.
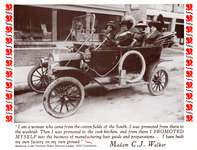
(135, 104)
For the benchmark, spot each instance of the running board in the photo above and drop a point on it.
(109, 87)
(111, 83)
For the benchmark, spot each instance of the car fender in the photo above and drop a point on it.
(151, 67)
(83, 77)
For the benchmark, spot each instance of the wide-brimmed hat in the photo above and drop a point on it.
(112, 24)
(141, 24)
(159, 23)
(128, 23)
(154, 23)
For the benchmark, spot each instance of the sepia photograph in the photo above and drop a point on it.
(99, 63)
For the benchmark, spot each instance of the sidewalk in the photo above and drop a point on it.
(21, 73)
(20, 78)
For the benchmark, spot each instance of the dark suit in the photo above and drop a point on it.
(110, 41)
(150, 38)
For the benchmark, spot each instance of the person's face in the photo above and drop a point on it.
(140, 29)
(153, 28)
(124, 28)
(109, 28)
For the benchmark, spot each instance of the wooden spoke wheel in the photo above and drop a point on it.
(38, 80)
(158, 81)
(63, 97)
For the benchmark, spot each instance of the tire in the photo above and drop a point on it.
(38, 79)
(158, 81)
(63, 97)
(139, 76)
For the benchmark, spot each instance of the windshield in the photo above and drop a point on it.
(82, 27)
(81, 31)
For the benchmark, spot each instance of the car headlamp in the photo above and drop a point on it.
(51, 58)
(51, 64)
(43, 61)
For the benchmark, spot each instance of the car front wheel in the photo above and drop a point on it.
(63, 97)
(38, 79)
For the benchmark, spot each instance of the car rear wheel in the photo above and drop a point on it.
(158, 81)
(38, 79)
(63, 97)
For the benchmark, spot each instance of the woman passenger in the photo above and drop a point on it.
(139, 37)
(124, 37)
(155, 31)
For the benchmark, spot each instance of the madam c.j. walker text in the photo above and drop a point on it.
(113, 135)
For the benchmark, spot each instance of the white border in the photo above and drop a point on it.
(7, 129)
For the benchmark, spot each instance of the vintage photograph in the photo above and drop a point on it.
(87, 63)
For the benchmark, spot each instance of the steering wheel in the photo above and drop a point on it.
(107, 37)
(104, 41)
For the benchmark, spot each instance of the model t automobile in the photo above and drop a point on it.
(63, 75)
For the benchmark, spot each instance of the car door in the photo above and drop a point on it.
(105, 60)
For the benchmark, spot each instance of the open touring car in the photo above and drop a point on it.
(64, 74)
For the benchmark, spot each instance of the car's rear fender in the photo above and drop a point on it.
(151, 67)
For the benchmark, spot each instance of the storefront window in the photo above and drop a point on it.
(32, 23)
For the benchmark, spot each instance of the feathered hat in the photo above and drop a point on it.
(159, 23)
(128, 21)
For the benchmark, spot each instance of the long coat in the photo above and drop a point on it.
(139, 37)
(124, 38)
(150, 38)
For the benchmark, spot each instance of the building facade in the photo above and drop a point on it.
(173, 16)
(51, 23)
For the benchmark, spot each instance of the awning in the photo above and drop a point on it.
(165, 14)
(101, 9)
